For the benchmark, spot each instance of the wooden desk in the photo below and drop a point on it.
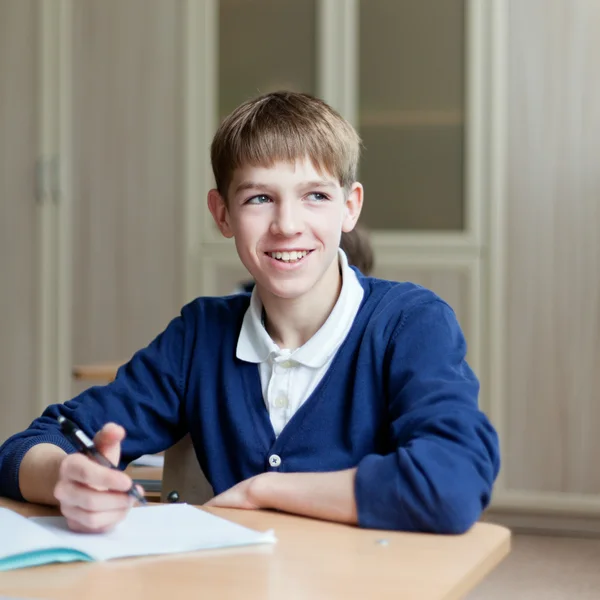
(97, 372)
(142, 473)
(311, 560)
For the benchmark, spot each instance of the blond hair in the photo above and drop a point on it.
(285, 126)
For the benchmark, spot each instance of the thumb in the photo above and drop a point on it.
(108, 441)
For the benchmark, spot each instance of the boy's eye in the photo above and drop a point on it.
(260, 199)
(317, 196)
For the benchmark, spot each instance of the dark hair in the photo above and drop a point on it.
(358, 249)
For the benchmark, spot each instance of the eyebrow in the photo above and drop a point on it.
(253, 185)
(250, 185)
(322, 183)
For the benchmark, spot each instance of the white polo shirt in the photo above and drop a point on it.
(288, 377)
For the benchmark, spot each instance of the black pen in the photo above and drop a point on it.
(84, 445)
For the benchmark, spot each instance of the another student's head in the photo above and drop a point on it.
(358, 249)
(285, 169)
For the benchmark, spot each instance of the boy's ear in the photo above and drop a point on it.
(218, 209)
(353, 206)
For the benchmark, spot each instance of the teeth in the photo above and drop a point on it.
(292, 256)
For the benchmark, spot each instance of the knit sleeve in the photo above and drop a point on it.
(445, 454)
(145, 399)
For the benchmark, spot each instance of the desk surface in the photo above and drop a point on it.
(96, 372)
(312, 559)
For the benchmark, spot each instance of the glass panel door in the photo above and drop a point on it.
(411, 113)
(265, 46)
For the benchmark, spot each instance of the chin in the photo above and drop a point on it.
(289, 291)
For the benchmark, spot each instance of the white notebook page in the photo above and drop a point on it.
(160, 529)
(18, 535)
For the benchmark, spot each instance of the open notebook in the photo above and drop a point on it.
(147, 530)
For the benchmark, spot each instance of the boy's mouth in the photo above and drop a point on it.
(289, 256)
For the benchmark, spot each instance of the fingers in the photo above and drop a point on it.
(92, 497)
(80, 469)
(76, 495)
(83, 521)
(108, 441)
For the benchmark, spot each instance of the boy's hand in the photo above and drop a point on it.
(91, 497)
(241, 495)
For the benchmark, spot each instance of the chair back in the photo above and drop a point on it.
(183, 479)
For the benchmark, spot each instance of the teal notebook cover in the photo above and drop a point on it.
(149, 530)
(24, 543)
(41, 557)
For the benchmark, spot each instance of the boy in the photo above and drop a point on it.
(324, 393)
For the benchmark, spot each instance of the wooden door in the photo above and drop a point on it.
(128, 176)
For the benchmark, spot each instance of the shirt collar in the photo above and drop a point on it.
(255, 345)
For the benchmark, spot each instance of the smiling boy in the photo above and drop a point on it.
(323, 393)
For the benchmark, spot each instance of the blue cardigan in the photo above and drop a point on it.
(398, 401)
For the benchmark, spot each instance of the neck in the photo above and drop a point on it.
(292, 322)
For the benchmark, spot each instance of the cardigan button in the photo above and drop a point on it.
(281, 402)
(274, 460)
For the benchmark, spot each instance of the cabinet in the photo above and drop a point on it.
(20, 251)
(412, 110)
(92, 178)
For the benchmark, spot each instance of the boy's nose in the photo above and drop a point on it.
(286, 221)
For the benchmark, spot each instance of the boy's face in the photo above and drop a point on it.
(287, 221)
